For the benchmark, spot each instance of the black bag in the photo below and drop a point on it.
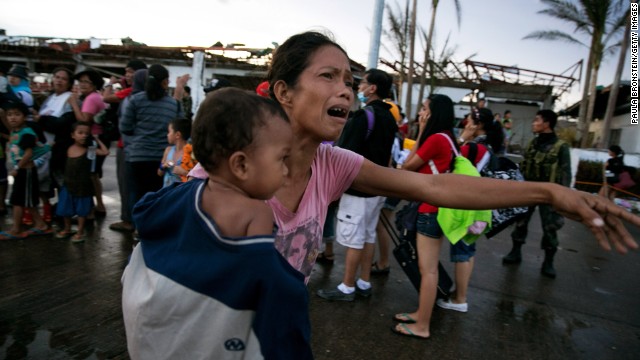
(407, 256)
(504, 169)
(406, 221)
(502, 218)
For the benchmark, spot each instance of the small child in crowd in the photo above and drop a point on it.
(206, 266)
(23, 148)
(76, 194)
(178, 134)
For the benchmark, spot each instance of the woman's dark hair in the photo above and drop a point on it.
(227, 121)
(69, 75)
(617, 150)
(492, 128)
(183, 126)
(155, 76)
(292, 57)
(75, 125)
(441, 120)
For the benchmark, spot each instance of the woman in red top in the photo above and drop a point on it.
(432, 154)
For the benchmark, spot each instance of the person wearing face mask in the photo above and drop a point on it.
(358, 211)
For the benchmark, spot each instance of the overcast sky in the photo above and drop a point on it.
(492, 29)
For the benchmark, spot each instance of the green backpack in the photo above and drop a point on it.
(457, 224)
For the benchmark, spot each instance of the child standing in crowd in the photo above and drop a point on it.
(179, 131)
(76, 195)
(225, 287)
(23, 149)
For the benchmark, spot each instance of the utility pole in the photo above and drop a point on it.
(412, 31)
(376, 32)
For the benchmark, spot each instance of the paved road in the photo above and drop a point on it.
(62, 301)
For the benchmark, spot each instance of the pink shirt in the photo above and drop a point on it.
(93, 104)
(299, 233)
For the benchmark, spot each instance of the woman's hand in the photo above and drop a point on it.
(599, 214)
(422, 121)
(469, 131)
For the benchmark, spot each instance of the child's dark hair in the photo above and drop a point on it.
(16, 105)
(183, 126)
(227, 121)
(617, 150)
(75, 125)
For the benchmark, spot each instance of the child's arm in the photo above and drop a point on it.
(163, 162)
(102, 149)
(23, 163)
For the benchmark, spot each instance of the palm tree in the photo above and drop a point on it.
(429, 39)
(412, 44)
(613, 94)
(398, 34)
(593, 18)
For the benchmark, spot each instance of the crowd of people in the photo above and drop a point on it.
(224, 258)
(46, 144)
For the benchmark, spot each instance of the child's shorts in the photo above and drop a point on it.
(69, 205)
(25, 189)
(461, 252)
(3, 170)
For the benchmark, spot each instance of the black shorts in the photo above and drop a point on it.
(25, 189)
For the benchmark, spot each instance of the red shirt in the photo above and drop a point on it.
(435, 149)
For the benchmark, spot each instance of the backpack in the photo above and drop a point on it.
(504, 169)
(457, 224)
(538, 164)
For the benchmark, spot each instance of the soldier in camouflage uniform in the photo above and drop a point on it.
(547, 159)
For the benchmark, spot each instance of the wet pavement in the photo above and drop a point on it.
(60, 300)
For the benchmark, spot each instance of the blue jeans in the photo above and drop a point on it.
(427, 225)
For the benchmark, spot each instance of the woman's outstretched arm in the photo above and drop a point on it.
(600, 215)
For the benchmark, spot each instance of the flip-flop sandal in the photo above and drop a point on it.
(8, 236)
(404, 318)
(375, 269)
(77, 238)
(408, 332)
(64, 234)
(34, 231)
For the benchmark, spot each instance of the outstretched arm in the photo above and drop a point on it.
(600, 215)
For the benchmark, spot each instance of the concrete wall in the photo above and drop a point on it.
(629, 136)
